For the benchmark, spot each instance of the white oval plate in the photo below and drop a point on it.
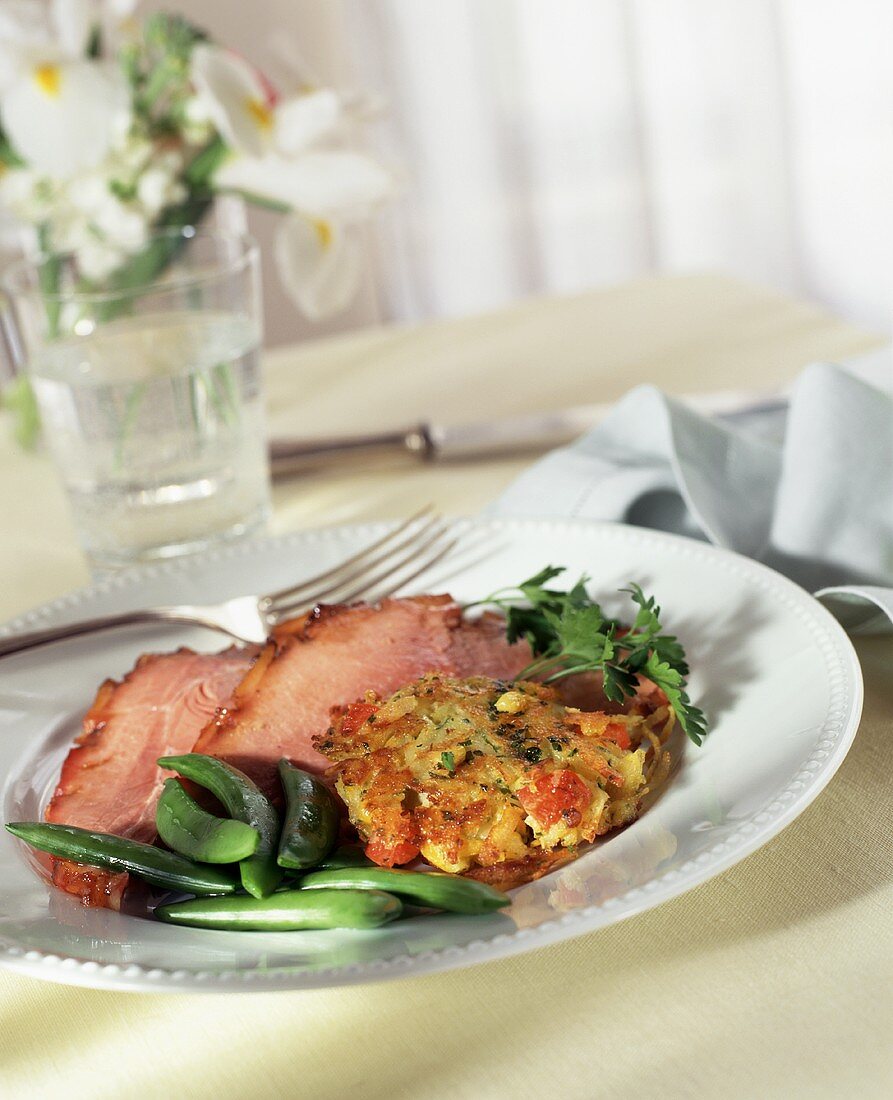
(774, 671)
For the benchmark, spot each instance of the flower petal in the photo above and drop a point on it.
(61, 118)
(23, 34)
(319, 263)
(97, 260)
(302, 120)
(340, 185)
(23, 24)
(122, 9)
(72, 21)
(235, 99)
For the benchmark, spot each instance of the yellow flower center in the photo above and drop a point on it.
(48, 79)
(324, 232)
(261, 113)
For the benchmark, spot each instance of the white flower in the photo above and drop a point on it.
(98, 259)
(121, 10)
(24, 33)
(302, 120)
(322, 184)
(60, 111)
(152, 189)
(123, 224)
(283, 154)
(157, 188)
(26, 194)
(234, 98)
(63, 116)
(242, 108)
(69, 230)
(196, 127)
(320, 264)
(88, 192)
(318, 249)
(73, 20)
(132, 154)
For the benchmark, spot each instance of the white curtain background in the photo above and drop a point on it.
(551, 146)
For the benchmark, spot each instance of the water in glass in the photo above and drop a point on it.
(156, 423)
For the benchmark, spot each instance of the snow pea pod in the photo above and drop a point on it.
(434, 888)
(188, 829)
(310, 830)
(347, 855)
(243, 801)
(117, 853)
(286, 911)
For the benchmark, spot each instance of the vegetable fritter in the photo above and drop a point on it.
(477, 773)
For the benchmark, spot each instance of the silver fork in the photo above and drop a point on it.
(389, 563)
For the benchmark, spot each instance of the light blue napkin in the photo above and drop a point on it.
(806, 487)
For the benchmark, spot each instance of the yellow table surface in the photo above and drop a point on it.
(774, 979)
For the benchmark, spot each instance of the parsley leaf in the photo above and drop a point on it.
(671, 681)
(448, 761)
(569, 633)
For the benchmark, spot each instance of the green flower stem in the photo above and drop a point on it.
(226, 385)
(131, 412)
(49, 276)
(18, 397)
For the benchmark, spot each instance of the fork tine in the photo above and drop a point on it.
(309, 589)
(403, 581)
(429, 525)
(344, 595)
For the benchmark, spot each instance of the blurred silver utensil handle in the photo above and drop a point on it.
(493, 438)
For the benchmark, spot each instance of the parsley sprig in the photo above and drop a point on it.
(569, 633)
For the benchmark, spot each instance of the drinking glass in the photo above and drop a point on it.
(149, 392)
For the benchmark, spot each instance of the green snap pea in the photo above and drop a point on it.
(245, 802)
(184, 826)
(348, 855)
(287, 911)
(118, 854)
(310, 830)
(434, 889)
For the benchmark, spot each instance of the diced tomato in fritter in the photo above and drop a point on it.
(556, 795)
(390, 855)
(478, 772)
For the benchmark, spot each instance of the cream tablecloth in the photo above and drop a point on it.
(774, 980)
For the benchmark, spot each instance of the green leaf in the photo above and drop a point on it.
(173, 35)
(448, 761)
(205, 163)
(667, 647)
(672, 683)
(619, 682)
(9, 158)
(580, 632)
(568, 632)
(525, 622)
(94, 42)
(125, 191)
(647, 620)
(549, 573)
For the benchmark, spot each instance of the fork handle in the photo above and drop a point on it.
(18, 643)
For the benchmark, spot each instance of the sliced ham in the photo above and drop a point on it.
(110, 781)
(253, 709)
(332, 657)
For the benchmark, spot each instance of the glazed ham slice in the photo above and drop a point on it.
(251, 710)
(110, 781)
(332, 657)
